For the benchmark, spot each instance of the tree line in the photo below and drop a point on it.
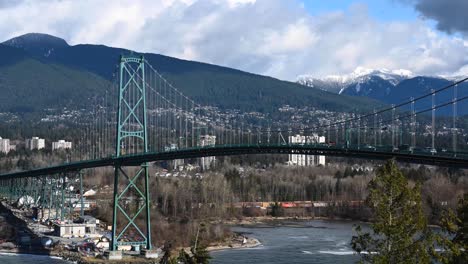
(399, 230)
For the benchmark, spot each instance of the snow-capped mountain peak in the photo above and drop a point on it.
(395, 76)
(388, 86)
(337, 83)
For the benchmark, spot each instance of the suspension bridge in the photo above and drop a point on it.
(144, 119)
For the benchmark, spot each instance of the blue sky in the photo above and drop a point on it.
(384, 10)
(381, 10)
(278, 38)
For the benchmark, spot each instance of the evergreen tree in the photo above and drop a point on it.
(338, 187)
(454, 241)
(185, 258)
(200, 254)
(166, 259)
(400, 233)
(276, 209)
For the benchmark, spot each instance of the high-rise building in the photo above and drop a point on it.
(35, 143)
(61, 144)
(306, 160)
(205, 141)
(5, 146)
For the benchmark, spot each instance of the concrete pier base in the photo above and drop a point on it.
(113, 255)
(150, 254)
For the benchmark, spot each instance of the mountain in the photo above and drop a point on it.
(28, 85)
(390, 87)
(11, 55)
(55, 74)
(35, 43)
(341, 83)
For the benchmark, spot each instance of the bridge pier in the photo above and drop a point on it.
(113, 255)
(131, 192)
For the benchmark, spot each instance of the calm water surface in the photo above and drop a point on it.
(312, 242)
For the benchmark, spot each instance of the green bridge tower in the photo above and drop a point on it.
(131, 204)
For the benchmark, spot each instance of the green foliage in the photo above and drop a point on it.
(277, 210)
(232, 89)
(436, 209)
(185, 258)
(454, 239)
(461, 236)
(199, 253)
(338, 187)
(31, 86)
(167, 251)
(400, 232)
(172, 261)
(232, 175)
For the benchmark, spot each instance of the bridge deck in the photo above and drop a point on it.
(445, 159)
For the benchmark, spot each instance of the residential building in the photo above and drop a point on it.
(35, 143)
(306, 160)
(5, 146)
(205, 141)
(61, 144)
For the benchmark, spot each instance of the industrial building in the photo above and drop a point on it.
(86, 225)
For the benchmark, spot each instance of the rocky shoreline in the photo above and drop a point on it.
(248, 242)
(275, 221)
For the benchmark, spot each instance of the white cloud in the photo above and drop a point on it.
(272, 37)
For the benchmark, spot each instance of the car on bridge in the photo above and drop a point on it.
(369, 148)
(430, 150)
(404, 147)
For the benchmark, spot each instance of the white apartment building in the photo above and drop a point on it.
(61, 144)
(35, 143)
(204, 141)
(306, 160)
(5, 146)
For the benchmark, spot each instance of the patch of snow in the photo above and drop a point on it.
(338, 83)
(47, 54)
(358, 87)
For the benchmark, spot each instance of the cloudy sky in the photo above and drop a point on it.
(280, 38)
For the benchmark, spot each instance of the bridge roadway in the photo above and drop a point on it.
(443, 159)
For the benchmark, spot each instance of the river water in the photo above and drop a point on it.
(7, 258)
(306, 242)
(309, 242)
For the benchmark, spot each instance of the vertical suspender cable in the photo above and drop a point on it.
(454, 126)
(433, 121)
(393, 127)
